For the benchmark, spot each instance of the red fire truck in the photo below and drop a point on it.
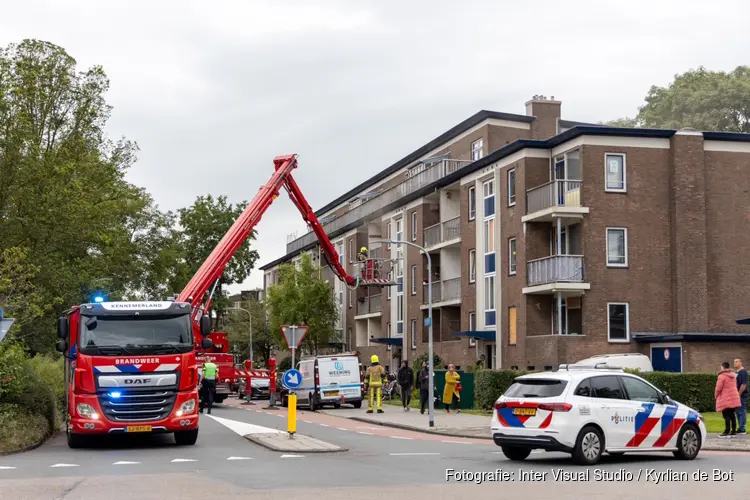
(132, 367)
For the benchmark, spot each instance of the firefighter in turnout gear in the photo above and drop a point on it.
(374, 378)
(208, 385)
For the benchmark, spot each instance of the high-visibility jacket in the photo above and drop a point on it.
(375, 375)
(210, 370)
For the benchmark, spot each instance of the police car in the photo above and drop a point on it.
(589, 410)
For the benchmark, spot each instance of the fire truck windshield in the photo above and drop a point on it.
(117, 335)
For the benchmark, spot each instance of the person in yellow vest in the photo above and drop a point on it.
(208, 385)
(452, 379)
(374, 378)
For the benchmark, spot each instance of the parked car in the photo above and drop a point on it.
(631, 360)
(588, 411)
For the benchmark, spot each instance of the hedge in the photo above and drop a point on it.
(693, 389)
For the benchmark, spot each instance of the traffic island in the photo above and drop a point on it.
(299, 444)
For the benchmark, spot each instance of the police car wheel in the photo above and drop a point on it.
(589, 446)
(516, 453)
(688, 443)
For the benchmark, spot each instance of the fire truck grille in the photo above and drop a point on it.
(137, 405)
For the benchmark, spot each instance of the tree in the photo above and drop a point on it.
(626, 122)
(301, 298)
(238, 331)
(700, 99)
(18, 296)
(203, 225)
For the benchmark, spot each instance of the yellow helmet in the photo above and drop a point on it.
(363, 250)
(374, 358)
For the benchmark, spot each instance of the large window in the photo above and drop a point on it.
(413, 279)
(477, 149)
(340, 250)
(511, 187)
(472, 203)
(414, 226)
(606, 387)
(512, 325)
(617, 247)
(639, 390)
(414, 334)
(512, 256)
(615, 173)
(489, 246)
(388, 235)
(472, 328)
(618, 322)
(489, 300)
(400, 317)
(472, 265)
(351, 250)
(399, 231)
(488, 195)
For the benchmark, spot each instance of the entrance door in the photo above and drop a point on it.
(490, 356)
(667, 358)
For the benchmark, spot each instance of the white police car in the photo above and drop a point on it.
(590, 410)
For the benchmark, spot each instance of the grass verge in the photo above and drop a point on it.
(20, 429)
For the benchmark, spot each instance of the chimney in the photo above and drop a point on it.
(547, 112)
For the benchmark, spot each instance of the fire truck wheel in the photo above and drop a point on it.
(186, 438)
(76, 440)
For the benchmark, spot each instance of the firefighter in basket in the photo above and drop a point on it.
(374, 380)
(368, 265)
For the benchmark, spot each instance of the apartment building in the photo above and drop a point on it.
(549, 241)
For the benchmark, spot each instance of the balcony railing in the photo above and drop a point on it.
(415, 182)
(555, 269)
(553, 194)
(443, 291)
(372, 304)
(442, 232)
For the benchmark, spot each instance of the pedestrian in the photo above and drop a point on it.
(374, 379)
(208, 385)
(742, 390)
(423, 379)
(727, 399)
(406, 381)
(452, 379)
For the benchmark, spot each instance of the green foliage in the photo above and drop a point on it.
(284, 364)
(416, 364)
(626, 122)
(51, 371)
(237, 330)
(302, 298)
(12, 358)
(491, 384)
(20, 429)
(700, 99)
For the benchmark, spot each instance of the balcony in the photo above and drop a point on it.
(443, 234)
(369, 306)
(557, 273)
(554, 199)
(444, 293)
(418, 178)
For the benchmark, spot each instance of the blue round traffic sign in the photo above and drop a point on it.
(292, 378)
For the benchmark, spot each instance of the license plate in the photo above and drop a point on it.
(525, 412)
(331, 393)
(138, 428)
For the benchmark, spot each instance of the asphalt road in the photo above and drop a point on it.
(381, 463)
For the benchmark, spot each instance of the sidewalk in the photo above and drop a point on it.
(475, 426)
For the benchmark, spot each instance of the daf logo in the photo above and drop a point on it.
(135, 381)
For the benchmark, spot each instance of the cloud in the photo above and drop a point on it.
(213, 92)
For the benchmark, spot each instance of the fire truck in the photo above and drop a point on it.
(132, 367)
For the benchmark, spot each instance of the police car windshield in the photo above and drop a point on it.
(170, 333)
(536, 388)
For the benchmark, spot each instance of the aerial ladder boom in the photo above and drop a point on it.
(211, 270)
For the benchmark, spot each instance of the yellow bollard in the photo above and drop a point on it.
(292, 414)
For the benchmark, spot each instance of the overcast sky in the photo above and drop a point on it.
(213, 94)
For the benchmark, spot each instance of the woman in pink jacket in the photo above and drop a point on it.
(727, 399)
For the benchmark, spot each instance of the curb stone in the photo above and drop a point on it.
(418, 429)
(267, 441)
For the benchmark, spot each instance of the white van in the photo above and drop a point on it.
(330, 380)
(632, 360)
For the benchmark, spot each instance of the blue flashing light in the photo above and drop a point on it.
(98, 299)
(114, 395)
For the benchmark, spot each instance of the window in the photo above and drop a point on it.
(399, 231)
(584, 389)
(618, 322)
(488, 192)
(639, 390)
(477, 149)
(512, 256)
(351, 250)
(388, 234)
(617, 247)
(413, 279)
(606, 387)
(472, 265)
(614, 173)
(489, 300)
(472, 203)
(414, 226)
(472, 328)
(414, 334)
(511, 187)
(512, 325)
(489, 246)
(388, 330)
(536, 388)
(389, 288)
(400, 317)
(340, 250)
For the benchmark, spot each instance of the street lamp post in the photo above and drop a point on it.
(250, 323)
(430, 367)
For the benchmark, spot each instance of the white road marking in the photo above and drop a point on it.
(342, 429)
(239, 458)
(324, 425)
(125, 463)
(65, 465)
(457, 442)
(365, 433)
(3, 467)
(242, 428)
(307, 421)
(176, 460)
(292, 456)
(411, 454)
(399, 437)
